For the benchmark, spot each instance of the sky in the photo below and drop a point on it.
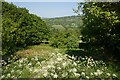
(46, 0)
(49, 9)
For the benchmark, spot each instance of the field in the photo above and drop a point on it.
(43, 61)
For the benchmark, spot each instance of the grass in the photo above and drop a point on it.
(43, 50)
(40, 61)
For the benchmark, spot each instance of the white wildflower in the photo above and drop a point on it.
(114, 75)
(70, 70)
(53, 53)
(38, 63)
(21, 61)
(95, 73)
(75, 64)
(20, 65)
(14, 67)
(74, 70)
(52, 74)
(49, 63)
(25, 59)
(83, 58)
(45, 68)
(29, 64)
(45, 74)
(73, 57)
(8, 75)
(36, 70)
(52, 66)
(55, 76)
(30, 69)
(91, 74)
(64, 64)
(105, 67)
(87, 77)
(59, 59)
(58, 68)
(99, 72)
(64, 74)
(83, 74)
(59, 54)
(108, 74)
(49, 66)
(56, 62)
(32, 59)
(12, 71)
(77, 74)
(12, 76)
(86, 57)
(20, 72)
(36, 58)
(3, 76)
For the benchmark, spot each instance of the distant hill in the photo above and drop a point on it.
(67, 21)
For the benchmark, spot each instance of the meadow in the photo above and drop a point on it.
(43, 61)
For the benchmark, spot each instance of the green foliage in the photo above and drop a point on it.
(64, 31)
(64, 39)
(68, 21)
(57, 27)
(58, 66)
(20, 28)
(101, 26)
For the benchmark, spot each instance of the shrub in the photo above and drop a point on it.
(20, 28)
(64, 39)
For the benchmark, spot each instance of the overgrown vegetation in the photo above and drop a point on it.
(101, 27)
(61, 58)
(20, 28)
(56, 64)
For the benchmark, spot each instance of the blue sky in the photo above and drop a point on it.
(49, 9)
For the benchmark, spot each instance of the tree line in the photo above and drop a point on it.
(20, 28)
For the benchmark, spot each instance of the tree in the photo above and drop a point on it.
(20, 28)
(67, 38)
(101, 26)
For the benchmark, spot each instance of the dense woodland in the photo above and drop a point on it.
(83, 46)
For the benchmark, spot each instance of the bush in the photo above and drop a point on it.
(20, 29)
(64, 39)
(101, 27)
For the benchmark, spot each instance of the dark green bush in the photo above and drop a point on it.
(102, 27)
(20, 28)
